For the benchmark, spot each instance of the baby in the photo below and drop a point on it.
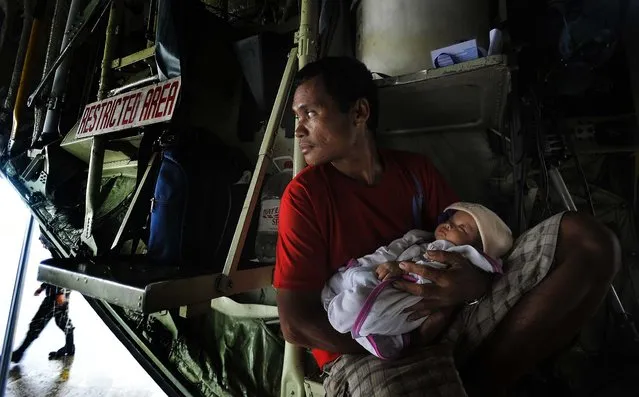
(359, 298)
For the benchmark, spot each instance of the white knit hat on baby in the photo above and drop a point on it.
(495, 234)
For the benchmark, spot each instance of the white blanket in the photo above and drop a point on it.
(372, 311)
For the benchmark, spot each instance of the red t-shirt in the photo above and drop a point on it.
(327, 218)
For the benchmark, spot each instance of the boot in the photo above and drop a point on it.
(16, 356)
(67, 350)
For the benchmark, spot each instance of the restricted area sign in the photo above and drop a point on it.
(148, 105)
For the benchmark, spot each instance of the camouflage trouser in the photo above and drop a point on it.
(49, 309)
(431, 371)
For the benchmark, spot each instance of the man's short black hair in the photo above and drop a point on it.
(346, 80)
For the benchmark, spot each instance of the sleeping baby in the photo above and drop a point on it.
(360, 298)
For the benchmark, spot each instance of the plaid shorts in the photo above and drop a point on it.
(431, 370)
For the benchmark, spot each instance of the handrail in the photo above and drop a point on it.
(15, 306)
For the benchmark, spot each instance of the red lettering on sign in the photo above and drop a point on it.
(154, 102)
(160, 110)
(139, 107)
(144, 114)
(157, 92)
(170, 100)
(125, 107)
(105, 114)
(120, 113)
(131, 108)
(136, 104)
(90, 119)
(101, 115)
(94, 119)
(124, 120)
(115, 106)
(83, 123)
(102, 112)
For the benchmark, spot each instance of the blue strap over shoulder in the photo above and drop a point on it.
(418, 202)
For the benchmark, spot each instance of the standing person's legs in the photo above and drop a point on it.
(586, 258)
(63, 322)
(39, 321)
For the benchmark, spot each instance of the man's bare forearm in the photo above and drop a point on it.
(319, 334)
(304, 322)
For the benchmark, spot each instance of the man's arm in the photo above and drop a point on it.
(304, 322)
(301, 269)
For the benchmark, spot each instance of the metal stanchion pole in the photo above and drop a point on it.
(307, 53)
(7, 346)
(292, 370)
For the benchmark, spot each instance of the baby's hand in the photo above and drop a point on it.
(388, 270)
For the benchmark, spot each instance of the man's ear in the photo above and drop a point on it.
(361, 112)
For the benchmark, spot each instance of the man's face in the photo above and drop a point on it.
(325, 133)
(460, 229)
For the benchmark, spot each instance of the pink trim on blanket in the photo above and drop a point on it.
(352, 263)
(370, 299)
(495, 263)
(368, 304)
(379, 354)
(410, 278)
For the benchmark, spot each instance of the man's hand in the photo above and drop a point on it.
(459, 282)
(434, 325)
(37, 292)
(388, 270)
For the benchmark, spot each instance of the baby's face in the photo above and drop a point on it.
(460, 229)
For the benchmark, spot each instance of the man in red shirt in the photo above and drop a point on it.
(355, 197)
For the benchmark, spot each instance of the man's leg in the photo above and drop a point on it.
(422, 371)
(548, 316)
(39, 321)
(63, 322)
